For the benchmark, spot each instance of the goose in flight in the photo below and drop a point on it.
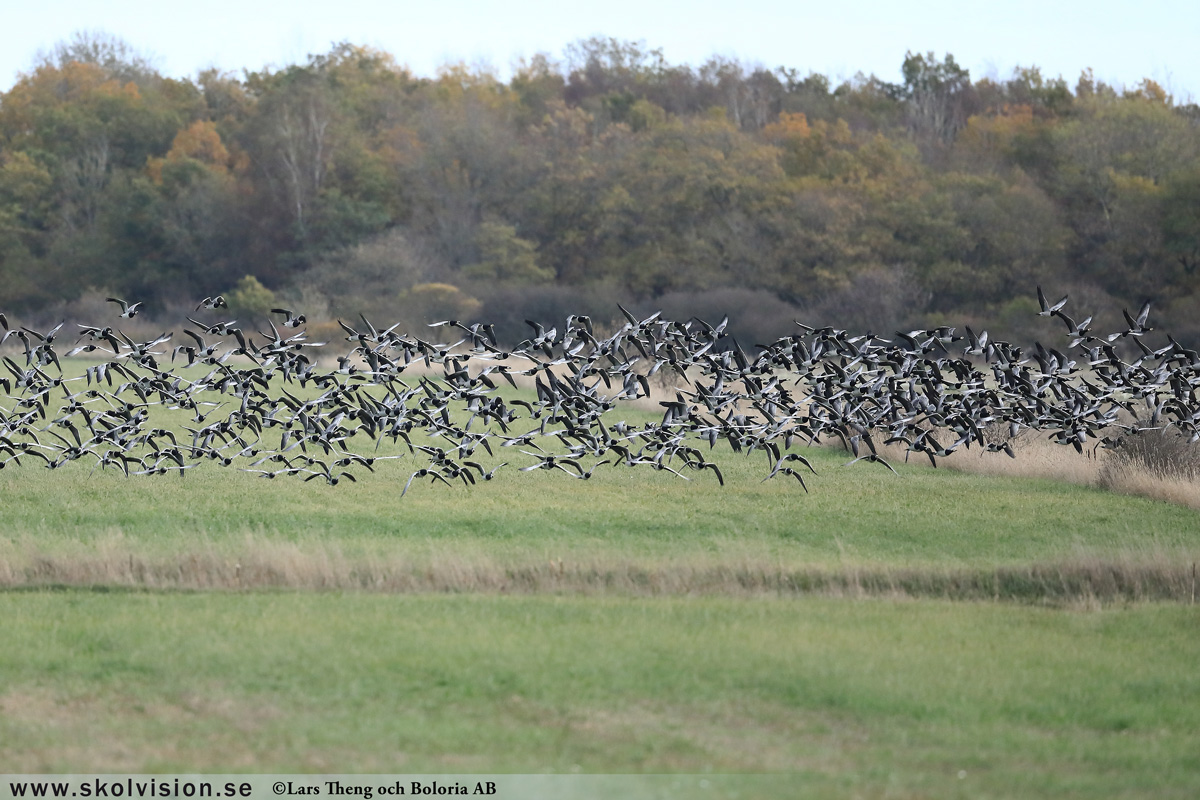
(1048, 309)
(873, 457)
(1137, 326)
(290, 320)
(128, 311)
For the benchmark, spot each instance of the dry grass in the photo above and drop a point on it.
(1135, 471)
(1128, 480)
(1036, 457)
(260, 564)
(1106, 469)
(1159, 465)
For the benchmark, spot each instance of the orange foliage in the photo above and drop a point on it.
(789, 126)
(1149, 90)
(74, 85)
(994, 133)
(198, 142)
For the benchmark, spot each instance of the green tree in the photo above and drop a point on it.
(506, 258)
(1117, 156)
(1181, 219)
(938, 96)
(250, 299)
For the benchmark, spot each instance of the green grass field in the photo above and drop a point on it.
(537, 531)
(867, 697)
(928, 634)
(859, 515)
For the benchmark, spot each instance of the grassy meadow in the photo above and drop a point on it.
(932, 633)
(865, 698)
(634, 530)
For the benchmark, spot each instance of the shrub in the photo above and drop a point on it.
(878, 299)
(505, 257)
(432, 302)
(755, 316)
(508, 308)
(370, 277)
(250, 299)
(1163, 453)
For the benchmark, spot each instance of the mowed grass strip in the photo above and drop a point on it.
(623, 528)
(869, 697)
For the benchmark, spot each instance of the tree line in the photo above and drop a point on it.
(348, 184)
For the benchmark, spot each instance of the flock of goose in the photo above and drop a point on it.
(922, 389)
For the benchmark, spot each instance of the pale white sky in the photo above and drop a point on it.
(1159, 40)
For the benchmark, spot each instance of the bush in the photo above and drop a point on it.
(433, 302)
(370, 278)
(506, 258)
(755, 316)
(878, 299)
(508, 308)
(250, 299)
(1164, 453)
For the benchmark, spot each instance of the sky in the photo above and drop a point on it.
(1160, 40)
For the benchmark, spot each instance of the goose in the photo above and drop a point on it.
(421, 473)
(290, 320)
(212, 302)
(1137, 326)
(1048, 309)
(873, 457)
(127, 311)
(551, 462)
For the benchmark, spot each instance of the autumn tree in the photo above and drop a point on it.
(607, 175)
(938, 95)
(116, 58)
(1117, 157)
(88, 116)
